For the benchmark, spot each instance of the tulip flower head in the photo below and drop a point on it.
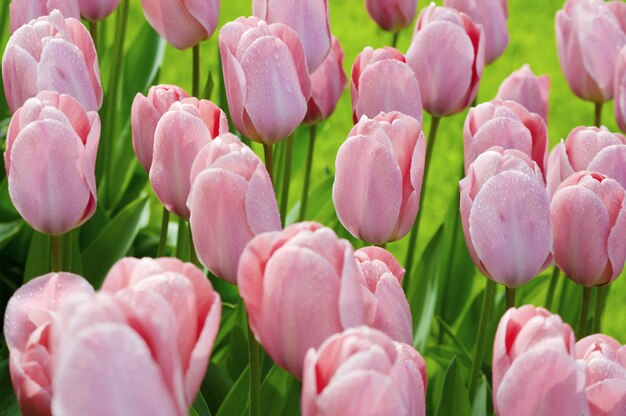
(23, 11)
(620, 90)
(392, 15)
(531, 91)
(96, 10)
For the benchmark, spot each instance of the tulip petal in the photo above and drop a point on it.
(19, 74)
(607, 398)
(174, 22)
(145, 119)
(500, 131)
(611, 161)
(393, 315)
(261, 208)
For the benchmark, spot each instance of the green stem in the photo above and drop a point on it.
(394, 39)
(284, 198)
(195, 88)
(93, 31)
(255, 375)
(554, 280)
(485, 317)
(165, 222)
(603, 291)
(510, 298)
(584, 311)
(66, 252)
(267, 150)
(307, 173)
(181, 238)
(598, 115)
(56, 252)
(562, 299)
(432, 135)
(193, 256)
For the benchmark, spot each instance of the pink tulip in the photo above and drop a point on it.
(392, 15)
(386, 305)
(535, 372)
(145, 115)
(531, 91)
(257, 59)
(605, 361)
(447, 54)
(588, 39)
(620, 90)
(141, 346)
(51, 53)
(309, 18)
(328, 83)
(382, 81)
(50, 160)
(95, 10)
(23, 11)
(378, 179)
(182, 24)
(588, 214)
(26, 330)
(492, 15)
(363, 372)
(231, 200)
(506, 216)
(587, 148)
(506, 124)
(300, 286)
(182, 131)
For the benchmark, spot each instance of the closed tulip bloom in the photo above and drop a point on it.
(447, 54)
(26, 330)
(141, 346)
(506, 216)
(386, 305)
(180, 134)
(231, 201)
(492, 15)
(23, 11)
(51, 53)
(363, 372)
(588, 214)
(145, 114)
(620, 90)
(300, 286)
(328, 83)
(182, 24)
(587, 148)
(381, 80)
(378, 179)
(391, 15)
(535, 372)
(50, 160)
(257, 59)
(309, 18)
(95, 10)
(531, 91)
(588, 39)
(506, 124)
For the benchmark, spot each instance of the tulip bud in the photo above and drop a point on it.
(446, 38)
(50, 160)
(588, 214)
(378, 179)
(392, 15)
(95, 10)
(531, 91)
(231, 201)
(327, 83)
(51, 53)
(300, 286)
(180, 134)
(508, 242)
(492, 15)
(182, 24)
(588, 39)
(363, 372)
(23, 11)
(506, 124)
(620, 90)
(382, 81)
(535, 372)
(309, 18)
(275, 62)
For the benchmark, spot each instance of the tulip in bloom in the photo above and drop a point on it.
(309, 18)
(300, 286)
(180, 134)
(589, 35)
(182, 24)
(588, 214)
(392, 15)
(23, 11)
(386, 305)
(531, 91)
(363, 372)
(535, 372)
(95, 10)
(266, 78)
(145, 114)
(381, 80)
(50, 160)
(506, 124)
(327, 83)
(378, 179)
(26, 330)
(447, 54)
(140, 346)
(231, 201)
(620, 90)
(506, 216)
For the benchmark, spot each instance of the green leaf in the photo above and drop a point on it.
(454, 399)
(208, 88)
(237, 398)
(280, 393)
(39, 259)
(113, 242)
(199, 407)
(7, 210)
(8, 230)
(481, 398)
(238, 343)
(8, 401)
